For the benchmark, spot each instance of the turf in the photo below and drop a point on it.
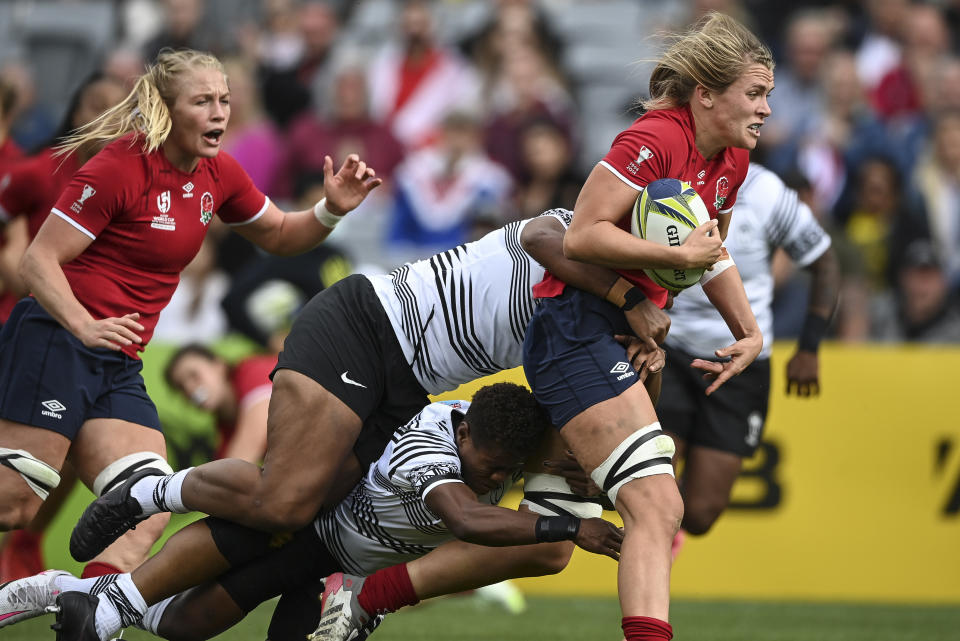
(570, 619)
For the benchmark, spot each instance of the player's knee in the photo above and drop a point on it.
(553, 557)
(653, 504)
(700, 515)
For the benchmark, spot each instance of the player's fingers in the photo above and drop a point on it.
(130, 323)
(360, 170)
(373, 184)
(125, 333)
(722, 378)
(710, 367)
(327, 168)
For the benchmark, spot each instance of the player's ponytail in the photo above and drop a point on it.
(713, 54)
(146, 107)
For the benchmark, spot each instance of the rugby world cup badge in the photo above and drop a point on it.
(206, 207)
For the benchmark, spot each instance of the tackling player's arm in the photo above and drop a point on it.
(542, 239)
(803, 369)
(474, 522)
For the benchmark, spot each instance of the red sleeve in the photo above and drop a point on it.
(242, 201)
(99, 190)
(18, 191)
(644, 152)
(251, 379)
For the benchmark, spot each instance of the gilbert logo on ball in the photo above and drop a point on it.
(666, 212)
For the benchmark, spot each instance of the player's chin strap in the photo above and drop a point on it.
(41, 478)
(646, 452)
(121, 469)
(549, 495)
(722, 265)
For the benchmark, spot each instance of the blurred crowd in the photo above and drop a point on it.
(478, 113)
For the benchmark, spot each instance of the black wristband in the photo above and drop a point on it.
(632, 297)
(814, 329)
(557, 528)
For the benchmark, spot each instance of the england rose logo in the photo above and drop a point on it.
(723, 188)
(206, 207)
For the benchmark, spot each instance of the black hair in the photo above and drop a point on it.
(66, 124)
(191, 349)
(507, 417)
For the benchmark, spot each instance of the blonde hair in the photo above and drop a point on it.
(713, 53)
(146, 109)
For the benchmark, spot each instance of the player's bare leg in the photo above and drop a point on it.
(651, 506)
(310, 432)
(19, 503)
(708, 478)
(99, 443)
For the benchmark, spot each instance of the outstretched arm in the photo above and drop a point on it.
(726, 293)
(475, 522)
(803, 369)
(292, 233)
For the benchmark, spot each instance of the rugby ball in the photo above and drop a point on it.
(666, 212)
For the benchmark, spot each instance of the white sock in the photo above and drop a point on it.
(120, 602)
(157, 494)
(151, 620)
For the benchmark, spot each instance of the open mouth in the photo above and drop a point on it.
(213, 136)
(755, 127)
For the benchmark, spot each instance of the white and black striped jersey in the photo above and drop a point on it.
(462, 314)
(767, 215)
(384, 520)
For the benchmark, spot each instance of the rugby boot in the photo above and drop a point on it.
(28, 597)
(76, 617)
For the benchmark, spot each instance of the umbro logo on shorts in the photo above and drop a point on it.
(53, 408)
(350, 381)
(623, 369)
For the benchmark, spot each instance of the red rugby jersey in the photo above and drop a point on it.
(30, 188)
(146, 219)
(250, 380)
(660, 144)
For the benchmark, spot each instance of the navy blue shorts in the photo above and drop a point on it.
(50, 380)
(570, 358)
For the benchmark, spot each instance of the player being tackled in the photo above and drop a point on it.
(440, 478)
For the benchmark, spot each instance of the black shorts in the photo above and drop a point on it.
(51, 380)
(288, 563)
(570, 357)
(731, 419)
(343, 340)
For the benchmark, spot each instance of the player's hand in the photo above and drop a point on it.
(600, 537)
(642, 353)
(578, 480)
(701, 248)
(803, 374)
(648, 321)
(741, 354)
(112, 333)
(349, 186)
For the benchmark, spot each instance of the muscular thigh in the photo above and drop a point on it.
(101, 441)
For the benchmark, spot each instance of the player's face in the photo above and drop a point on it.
(739, 112)
(201, 380)
(96, 99)
(485, 468)
(199, 113)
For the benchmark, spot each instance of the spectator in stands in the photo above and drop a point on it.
(341, 125)
(32, 124)
(548, 175)
(526, 89)
(880, 48)
(415, 81)
(441, 189)
(867, 245)
(797, 104)
(290, 88)
(252, 138)
(922, 307)
(9, 149)
(183, 29)
(936, 187)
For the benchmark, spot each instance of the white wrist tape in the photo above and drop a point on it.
(41, 478)
(324, 216)
(719, 267)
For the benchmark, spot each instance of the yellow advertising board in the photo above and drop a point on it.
(854, 495)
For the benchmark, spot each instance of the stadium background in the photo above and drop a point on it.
(854, 496)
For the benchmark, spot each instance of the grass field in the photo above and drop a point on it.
(569, 619)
